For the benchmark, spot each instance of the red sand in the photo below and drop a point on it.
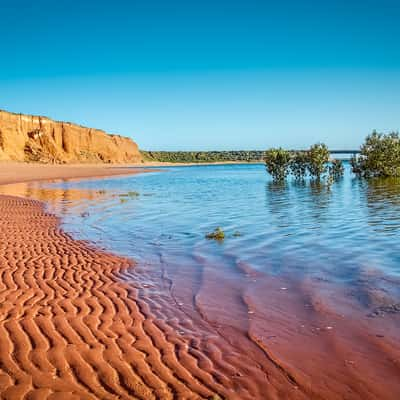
(22, 172)
(75, 325)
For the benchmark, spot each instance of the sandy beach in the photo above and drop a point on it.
(11, 172)
(72, 326)
(69, 328)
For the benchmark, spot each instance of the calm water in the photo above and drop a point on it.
(346, 234)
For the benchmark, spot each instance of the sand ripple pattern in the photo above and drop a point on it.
(70, 329)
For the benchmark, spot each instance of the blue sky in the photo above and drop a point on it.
(186, 75)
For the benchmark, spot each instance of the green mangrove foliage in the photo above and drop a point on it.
(299, 164)
(277, 162)
(379, 156)
(318, 157)
(313, 162)
(336, 169)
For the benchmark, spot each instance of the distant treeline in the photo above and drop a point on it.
(203, 156)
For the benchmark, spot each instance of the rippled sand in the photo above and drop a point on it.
(69, 328)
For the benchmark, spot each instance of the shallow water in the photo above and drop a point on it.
(342, 234)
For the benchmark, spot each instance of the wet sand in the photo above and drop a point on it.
(22, 172)
(78, 323)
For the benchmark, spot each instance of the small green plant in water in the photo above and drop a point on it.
(130, 194)
(218, 234)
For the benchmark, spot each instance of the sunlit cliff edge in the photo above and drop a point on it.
(40, 139)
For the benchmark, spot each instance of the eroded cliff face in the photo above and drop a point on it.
(40, 139)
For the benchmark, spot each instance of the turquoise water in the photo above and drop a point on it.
(347, 234)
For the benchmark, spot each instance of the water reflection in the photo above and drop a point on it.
(277, 196)
(298, 203)
(57, 195)
(382, 197)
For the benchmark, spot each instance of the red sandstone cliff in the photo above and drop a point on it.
(34, 138)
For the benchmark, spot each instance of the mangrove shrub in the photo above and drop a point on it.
(299, 164)
(277, 163)
(313, 162)
(379, 156)
(318, 157)
(336, 169)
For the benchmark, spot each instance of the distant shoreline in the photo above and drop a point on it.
(190, 164)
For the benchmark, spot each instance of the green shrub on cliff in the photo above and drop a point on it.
(380, 156)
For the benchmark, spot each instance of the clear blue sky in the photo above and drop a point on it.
(179, 75)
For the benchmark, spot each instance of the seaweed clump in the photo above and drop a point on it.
(217, 234)
(130, 194)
